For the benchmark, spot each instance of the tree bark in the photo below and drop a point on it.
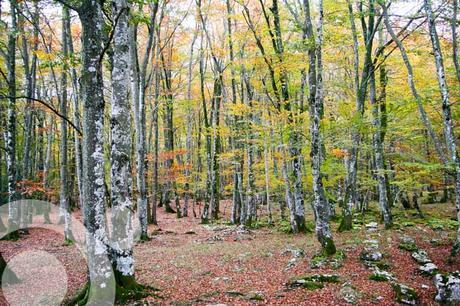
(13, 212)
(64, 192)
(446, 112)
(320, 204)
(93, 178)
(122, 249)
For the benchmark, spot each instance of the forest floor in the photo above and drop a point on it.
(195, 264)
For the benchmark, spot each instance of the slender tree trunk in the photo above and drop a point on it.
(267, 182)
(288, 195)
(47, 164)
(155, 184)
(215, 185)
(361, 85)
(446, 112)
(138, 104)
(236, 143)
(377, 144)
(453, 24)
(75, 115)
(29, 72)
(320, 204)
(64, 192)
(13, 212)
(188, 141)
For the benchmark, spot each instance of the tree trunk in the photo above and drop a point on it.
(13, 212)
(446, 113)
(76, 115)
(267, 182)
(93, 147)
(453, 24)
(320, 204)
(138, 104)
(120, 126)
(64, 212)
(377, 144)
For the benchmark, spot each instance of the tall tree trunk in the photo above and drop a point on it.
(13, 212)
(47, 163)
(168, 127)
(156, 145)
(250, 206)
(139, 123)
(320, 204)
(64, 192)
(122, 251)
(29, 72)
(215, 177)
(453, 24)
(93, 178)
(236, 142)
(377, 144)
(361, 85)
(446, 112)
(188, 141)
(294, 136)
(75, 115)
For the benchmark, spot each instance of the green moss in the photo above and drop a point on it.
(328, 246)
(378, 277)
(441, 224)
(312, 285)
(321, 259)
(318, 260)
(381, 276)
(144, 237)
(256, 297)
(315, 281)
(408, 223)
(408, 246)
(381, 265)
(68, 242)
(284, 226)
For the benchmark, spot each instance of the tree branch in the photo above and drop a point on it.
(47, 106)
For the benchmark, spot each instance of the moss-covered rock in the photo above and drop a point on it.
(381, 276)
(320, 260)
(428, 269)
(370, 256)
(408, 244)
(448, 287)
(312, 282)
(405, 294)
(349, 294)
(421, 257)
